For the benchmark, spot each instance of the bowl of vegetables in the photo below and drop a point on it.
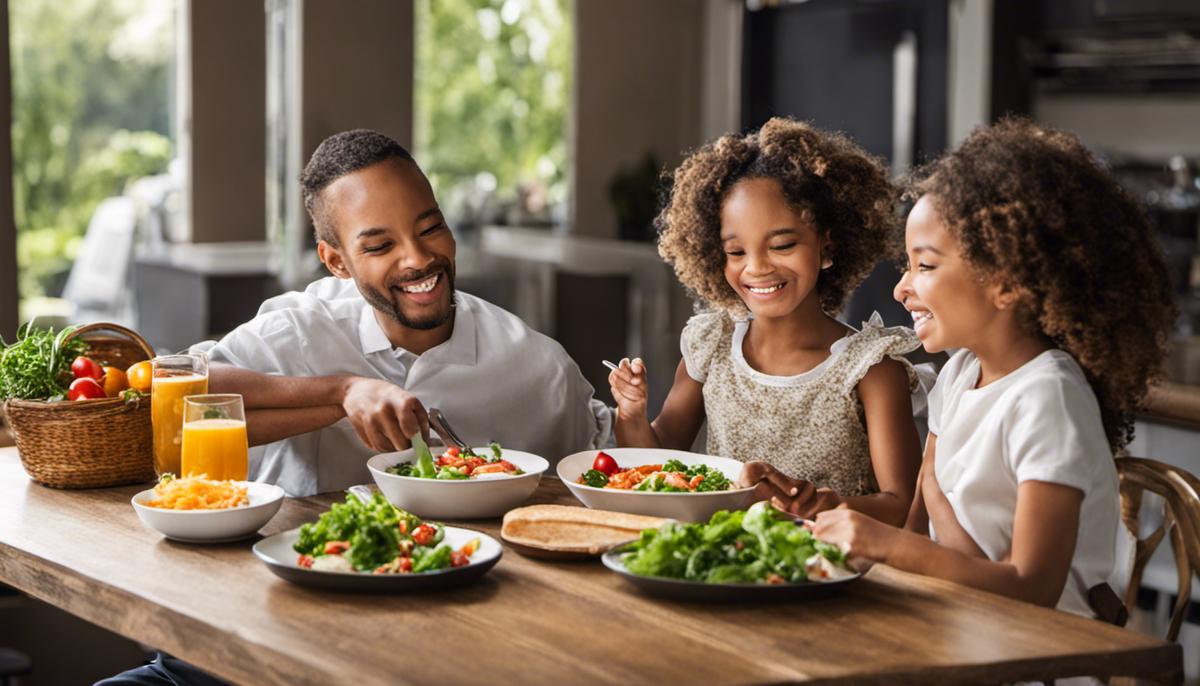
(372, 546)
(759, 554)
(674, 484)
(474, 483)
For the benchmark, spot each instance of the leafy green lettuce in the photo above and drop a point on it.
(755, 546)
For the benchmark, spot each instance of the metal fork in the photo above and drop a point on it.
(437, 420)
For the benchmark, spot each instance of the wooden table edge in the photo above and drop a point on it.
(171, 631)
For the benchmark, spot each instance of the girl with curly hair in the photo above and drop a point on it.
(773, 230)
(1025, 254)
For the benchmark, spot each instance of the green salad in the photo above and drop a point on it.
(759, 545)
(672, 477)
(454, 463)
(376, 537)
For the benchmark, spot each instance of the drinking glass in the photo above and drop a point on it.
(214, 436)
(175, 377)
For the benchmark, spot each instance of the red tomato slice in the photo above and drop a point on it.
(605, 463)
(85, 388)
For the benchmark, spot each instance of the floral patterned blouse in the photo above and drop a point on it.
(811, 425)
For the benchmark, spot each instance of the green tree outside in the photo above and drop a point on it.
(91, 111)
(493, 90)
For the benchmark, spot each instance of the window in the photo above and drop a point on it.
(92, 103)
(493, 89)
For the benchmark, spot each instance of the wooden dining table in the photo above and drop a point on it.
(528, 620)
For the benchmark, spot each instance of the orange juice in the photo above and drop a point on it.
(216, 447)
(166, 414)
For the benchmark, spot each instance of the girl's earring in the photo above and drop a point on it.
(826, 263)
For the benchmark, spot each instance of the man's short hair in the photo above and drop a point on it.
(341, 154)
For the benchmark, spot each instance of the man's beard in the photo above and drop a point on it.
(391, 308)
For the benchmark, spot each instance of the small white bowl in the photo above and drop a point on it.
(212, 526)
(685, 507)
(490, 496)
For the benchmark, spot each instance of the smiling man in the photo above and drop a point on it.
(346, 368)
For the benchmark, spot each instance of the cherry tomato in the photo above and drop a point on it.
(459, 559)
(424, 534)
(453, 451)
(140, 376)
(114, 381)
(606, 464)
(336, 547)
(85, 388)
(86, 368)
(406, 564)
(305, 561)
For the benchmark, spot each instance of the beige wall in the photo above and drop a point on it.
(358, 69)
(228, 120)
(8, 229)
(638, 73)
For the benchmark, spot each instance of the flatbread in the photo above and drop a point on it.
(572, 530)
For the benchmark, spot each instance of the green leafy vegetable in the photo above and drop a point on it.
(37, 366)
(756, 546)
(376, 537)
(497, 454)
(425, 467)
(595, 478)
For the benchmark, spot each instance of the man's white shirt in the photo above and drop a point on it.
(494, 379)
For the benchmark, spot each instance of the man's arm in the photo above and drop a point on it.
(260, 390)
(270, 425)
(384, 415)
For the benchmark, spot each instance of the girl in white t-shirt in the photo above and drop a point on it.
(1026, 257)
(772, 230)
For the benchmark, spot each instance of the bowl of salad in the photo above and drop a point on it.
(371, 545)
(675, 484)
(475, 483)
(758, 554)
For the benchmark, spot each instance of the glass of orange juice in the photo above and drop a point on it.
(175, 376)
(214, 436)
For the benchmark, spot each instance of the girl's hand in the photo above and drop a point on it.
(794, 496)
(862, 537)
(628, 384)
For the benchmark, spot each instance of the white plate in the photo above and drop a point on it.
(277, 552)
(685, 507)
(490, 496)
(212, 526)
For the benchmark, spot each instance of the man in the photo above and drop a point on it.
(346, 368)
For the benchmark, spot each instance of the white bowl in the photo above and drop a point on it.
(685, 507)
(490, 496)
(212, 526)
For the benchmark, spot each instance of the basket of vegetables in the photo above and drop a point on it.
(78, 405)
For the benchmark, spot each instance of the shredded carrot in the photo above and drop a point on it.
(198, 493)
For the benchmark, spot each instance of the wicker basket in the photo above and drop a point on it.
(89, 443)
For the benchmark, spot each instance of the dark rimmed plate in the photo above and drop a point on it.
(279, 555)
(682, 589)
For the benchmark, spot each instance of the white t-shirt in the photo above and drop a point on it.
(1041, 422)
(495, 379)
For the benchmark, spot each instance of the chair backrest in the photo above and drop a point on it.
(1180, 493)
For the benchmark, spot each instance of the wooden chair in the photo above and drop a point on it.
(1180, 492)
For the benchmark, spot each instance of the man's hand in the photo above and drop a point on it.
(794, 496)
(384, 415)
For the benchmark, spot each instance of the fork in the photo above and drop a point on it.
(438, 421)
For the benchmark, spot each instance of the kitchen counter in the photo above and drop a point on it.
(220, 608)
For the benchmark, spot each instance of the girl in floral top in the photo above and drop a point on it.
(772, 230)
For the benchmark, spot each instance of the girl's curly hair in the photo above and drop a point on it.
(844, 190)
(1033, 207)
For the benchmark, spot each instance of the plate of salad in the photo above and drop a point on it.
(661, 483)
(474, 483)
(756, 554)
(374, 546)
